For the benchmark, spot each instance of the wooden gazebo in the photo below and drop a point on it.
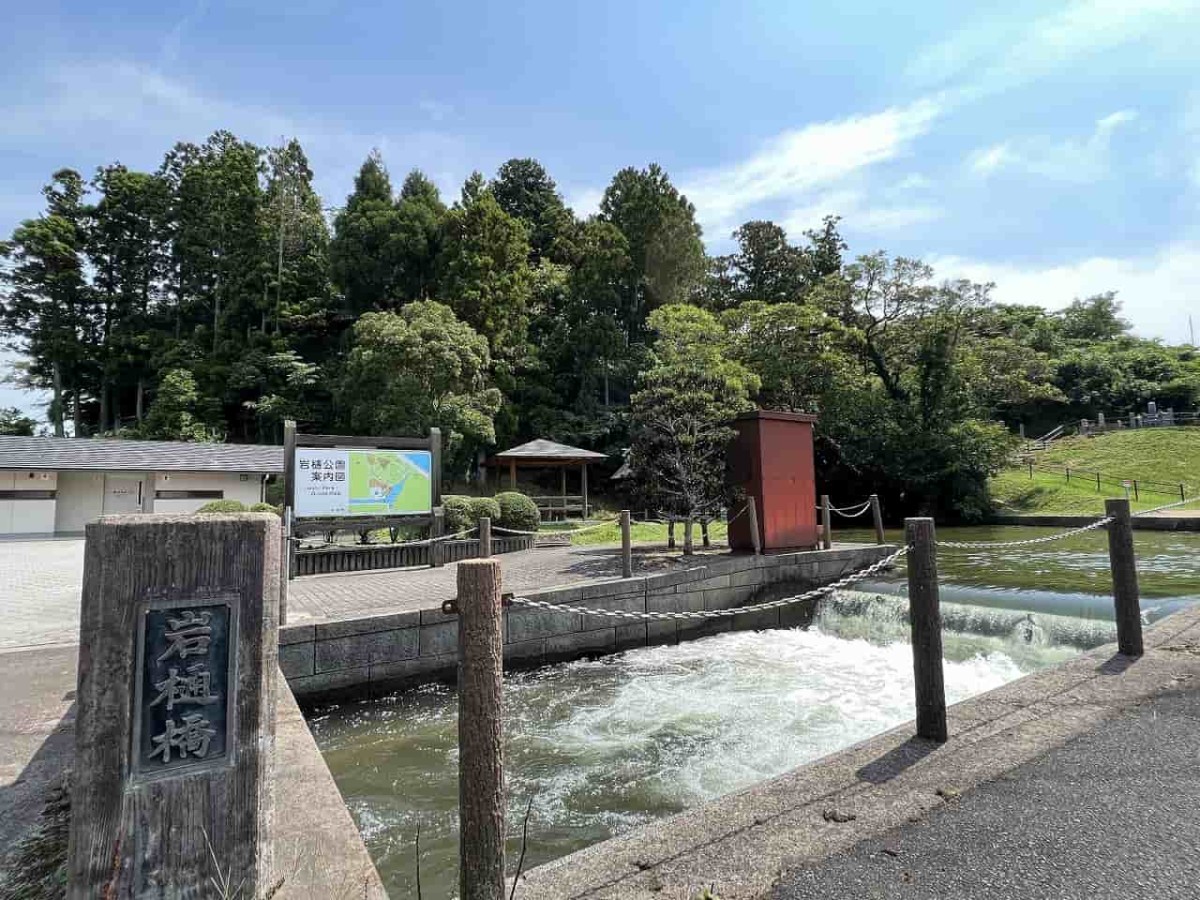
(543, 454)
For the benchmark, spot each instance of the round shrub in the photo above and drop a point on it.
(518, 511)
(458, 512)
(266, 507)
(223, 506)
(483, 506)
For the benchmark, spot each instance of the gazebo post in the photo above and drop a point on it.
(512, 474)
(563, 472)
(583, 482)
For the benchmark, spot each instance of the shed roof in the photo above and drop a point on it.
(542, 449)
(108, 454)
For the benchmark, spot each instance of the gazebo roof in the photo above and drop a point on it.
(542, 450)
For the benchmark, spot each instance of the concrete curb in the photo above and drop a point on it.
(745, 842)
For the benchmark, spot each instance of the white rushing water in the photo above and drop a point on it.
(604, 745)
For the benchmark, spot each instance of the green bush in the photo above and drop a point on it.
(266, 507)
(518, 511)
(458, 512)
(483, 506)
(223, 506)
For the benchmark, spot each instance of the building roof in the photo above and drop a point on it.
(549, 451)
(107, 454)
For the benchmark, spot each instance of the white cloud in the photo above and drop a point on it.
(860, 213)
(1000, 53)
(1158, 290)
(1071, 160)
(795, 163)
(585, 201)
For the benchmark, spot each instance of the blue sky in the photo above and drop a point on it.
(1053, 148)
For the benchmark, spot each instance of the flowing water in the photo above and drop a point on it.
(601, 746)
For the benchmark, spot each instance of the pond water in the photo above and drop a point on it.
(602, 746)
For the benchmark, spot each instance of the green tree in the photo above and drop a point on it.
(47, 300)
(364, 254)
(765, 267)
(421, 367)
(667, 255)
(15, 422)
(1097, 318)
(485, 275)
(420, 214)
(526, 191)
(173, 414)
(681, 414)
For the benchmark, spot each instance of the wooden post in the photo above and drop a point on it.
(286, 563)
(877, 518)
(176, 707)
(485, 537)
(563, 484)
(626, 546)
(705, 540)
(670, 532)
(1097, 482)
(435, 461)
(1123, 563)
(480, 720)
(688, 547)
(583, 485)
(826, 523)
(925, 611)
(1135, 490)
(437, 527)
(755, 534)
(512, 474)
(1031, 468)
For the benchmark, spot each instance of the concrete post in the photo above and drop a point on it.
(925, 611)
(1123, 563)
(176, 707)
(485, 537)
(755, 534)
(826, 523)
(1100, 421)
(480, 731)
(626, 546)
(877, 518)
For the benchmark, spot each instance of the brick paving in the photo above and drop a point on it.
(342, 595)
(39, 592)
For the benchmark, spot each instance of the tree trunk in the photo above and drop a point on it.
(141, 399)
(56, 410)
(688, 546)
(103, 405)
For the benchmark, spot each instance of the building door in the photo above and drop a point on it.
(122, 494)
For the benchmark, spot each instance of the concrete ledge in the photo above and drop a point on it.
(1140, 523)
(744, 842)
(368, 656)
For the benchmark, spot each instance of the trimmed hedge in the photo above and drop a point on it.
(483, 506)
(458, 510)
(223, 506)
(517, 511)
(266, 507)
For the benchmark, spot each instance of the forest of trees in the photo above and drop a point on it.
(214, 298)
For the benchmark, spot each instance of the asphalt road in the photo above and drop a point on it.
(1113, 814)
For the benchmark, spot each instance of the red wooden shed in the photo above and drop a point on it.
(771, 459)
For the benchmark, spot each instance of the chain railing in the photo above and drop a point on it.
(299, 541)
(1046, 539)
(844, 582)
(1175, 505)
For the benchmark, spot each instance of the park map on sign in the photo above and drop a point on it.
(389, 482)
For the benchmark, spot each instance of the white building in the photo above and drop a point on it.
(58, 485)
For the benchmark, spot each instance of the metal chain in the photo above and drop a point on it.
(325, 544)
(850, 579)
(1178, 503)
(993, 545)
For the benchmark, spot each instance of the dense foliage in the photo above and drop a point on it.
(212, 299)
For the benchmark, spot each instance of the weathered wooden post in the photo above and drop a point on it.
(826, 523)
(437, 528)
(175, 733)
(626, 546)
(925, 611)
(485, 537)
(877, 518)
(755, 534)
(285, 563)
(1123, 564)
(480, 751)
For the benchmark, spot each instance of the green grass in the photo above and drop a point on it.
(1170, 455)
(641, 532)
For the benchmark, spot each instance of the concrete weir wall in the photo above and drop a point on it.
(378, 654)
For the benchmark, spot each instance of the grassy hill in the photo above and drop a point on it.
(1170, 455)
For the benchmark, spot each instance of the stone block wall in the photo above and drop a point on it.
(375, 655)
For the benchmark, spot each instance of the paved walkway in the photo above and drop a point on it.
(342, 595)
(1114, 814)
(39, 592)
